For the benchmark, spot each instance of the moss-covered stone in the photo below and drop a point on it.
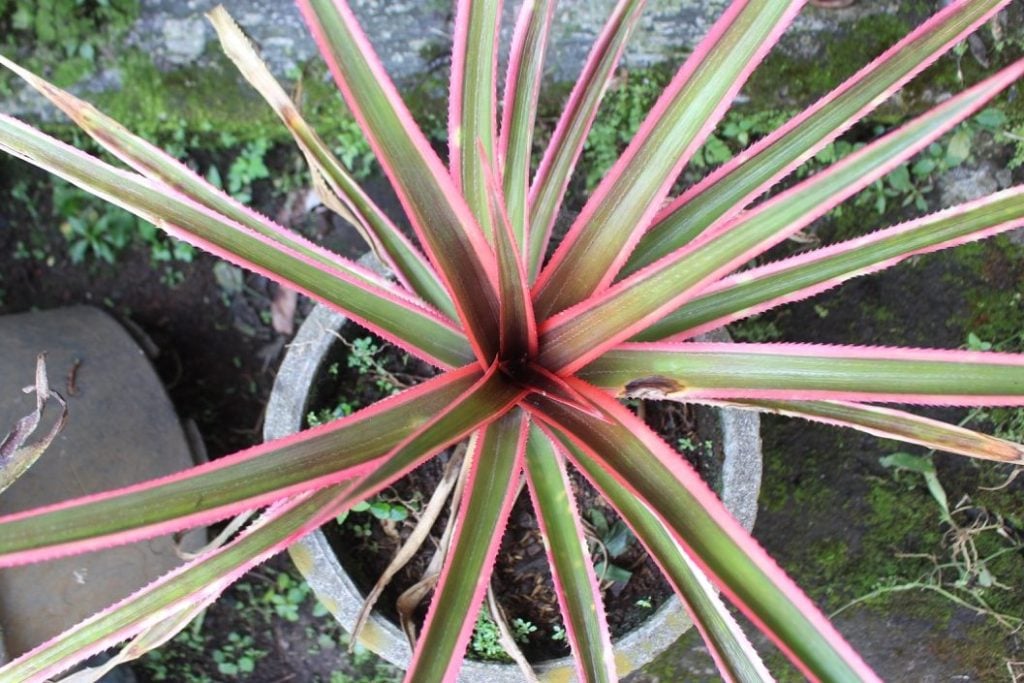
(212, 107)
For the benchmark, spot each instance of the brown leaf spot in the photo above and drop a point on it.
(653, 387)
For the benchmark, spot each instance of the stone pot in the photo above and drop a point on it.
(740, 482)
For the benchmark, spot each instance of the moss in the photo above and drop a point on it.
(807, 79)
(994, 294)
(62, 39)
(201, 109)
(156, 104)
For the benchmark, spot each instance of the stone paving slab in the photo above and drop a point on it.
(121, 429)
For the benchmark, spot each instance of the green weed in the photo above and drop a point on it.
(486, 641)
(97, 230)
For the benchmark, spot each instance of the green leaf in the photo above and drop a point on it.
(810, 372)
(723, 194)
(991, 118)
(612, 572)
(472, 103)
(519, 110)
(496, 460)
(618, 539)
(599, 521)
(623, 446)
(388, 313)
(922, 464)
(380, 509)
(628, 197)
(959, 148)
(575, 577)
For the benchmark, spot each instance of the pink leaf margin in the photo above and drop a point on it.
(710, 503)
(811, 257)
(682, 78)
(467, 621)
(233, 460)
(929, 26)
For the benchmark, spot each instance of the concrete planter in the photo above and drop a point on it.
(740, 481)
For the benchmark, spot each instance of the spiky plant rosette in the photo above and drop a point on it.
(535, 354)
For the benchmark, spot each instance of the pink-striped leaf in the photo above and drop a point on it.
(723, 193)
(582, 333)
(342, 194)
(549, 185)
(754, 291)
(812, 372)
(518, 327)
(154, 163)
(728, 645)
(625, 201)
(519, 110)
(472, 103)
(571, 565)
(248, 479)
(381, 307)
(496, 459)
(889, 423)
(628, 450)
(440, 216)
(181, 591)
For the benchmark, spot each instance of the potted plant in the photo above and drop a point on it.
(534, 352)
(735, 472)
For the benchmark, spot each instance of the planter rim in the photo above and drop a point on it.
(314, 558)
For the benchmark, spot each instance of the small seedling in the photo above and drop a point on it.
(486, 642)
